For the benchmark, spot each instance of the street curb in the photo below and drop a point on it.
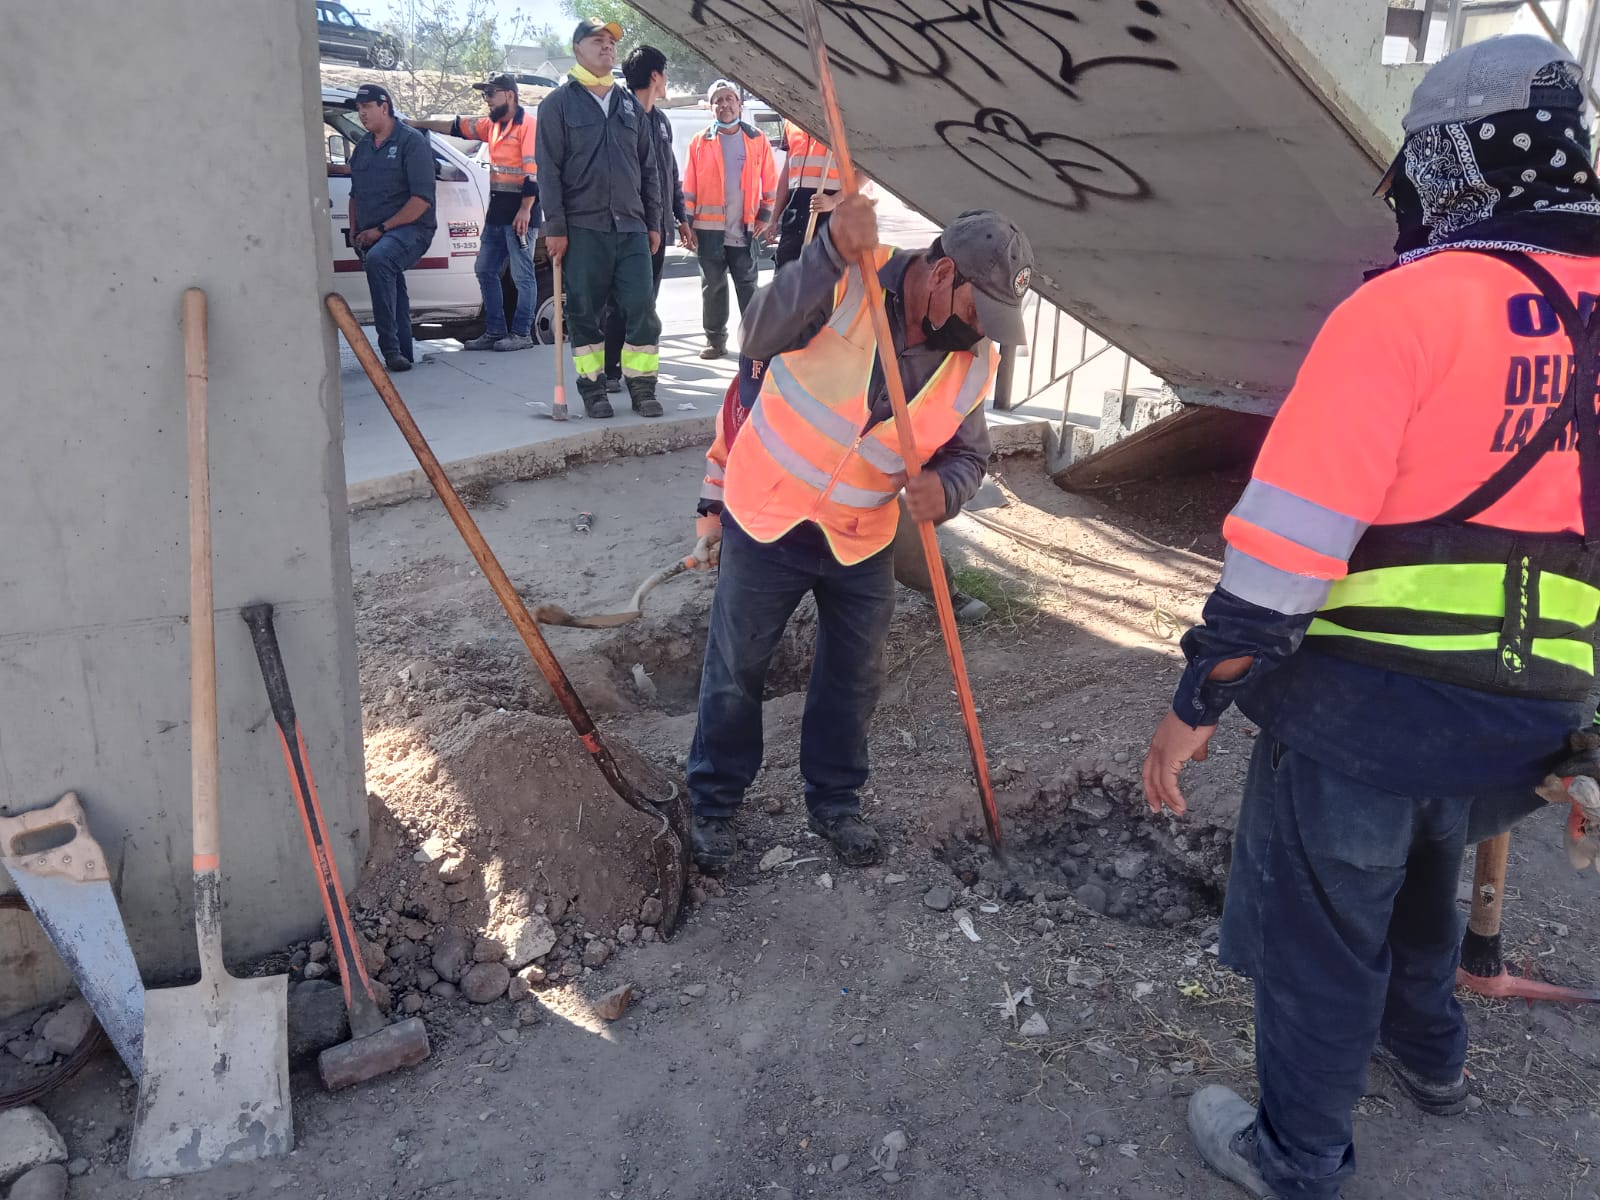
(1008, 434)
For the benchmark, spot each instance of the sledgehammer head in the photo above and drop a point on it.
(403, 1044)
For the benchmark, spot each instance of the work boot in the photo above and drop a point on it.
(613, 383)
(514, 341)
(642, 390)
(712, 842)
(714, 350)
(484, 342)
(854, 841)
(1223, 1126)
(1434, 1098)
(595, 403)
(968, 608)
(397, 363)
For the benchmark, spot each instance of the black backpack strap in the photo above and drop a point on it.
(1582, 383)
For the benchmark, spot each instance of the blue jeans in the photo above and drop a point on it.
(496, 244)
(386, 263)
(1341, 907)
(758, 588)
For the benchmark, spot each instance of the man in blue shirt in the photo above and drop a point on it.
(392, 215)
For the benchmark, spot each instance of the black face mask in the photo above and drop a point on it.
(955, 334)
(499, 113)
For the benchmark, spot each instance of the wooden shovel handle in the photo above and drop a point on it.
(202, 632)
(79, 859)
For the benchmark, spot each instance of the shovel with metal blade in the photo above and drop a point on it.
(61, 872)
(215, 1086)
(554, 614)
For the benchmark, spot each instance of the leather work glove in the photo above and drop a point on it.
(708, 543)
(1577, 782)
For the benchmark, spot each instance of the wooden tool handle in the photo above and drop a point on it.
(555, 282)
(1489, 885)
(202, 642)
(811, 219)
(79, 859)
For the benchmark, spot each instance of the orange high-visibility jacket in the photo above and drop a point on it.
(1420, 387)
(510, 148)
(704, 192)
(809, 164)
(801, 455)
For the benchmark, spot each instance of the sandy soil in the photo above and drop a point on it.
(808, 1018)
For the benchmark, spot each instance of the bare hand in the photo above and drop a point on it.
(520, 223)
(925, 498)
(707, 551)
(1172, 745)
(854, 227)
(686, 235)
(555, 247)
(655, 241)
(823, 202)
(367, 237)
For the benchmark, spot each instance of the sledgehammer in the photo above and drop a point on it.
(375, 1046)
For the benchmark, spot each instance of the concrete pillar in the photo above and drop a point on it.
(152, 147)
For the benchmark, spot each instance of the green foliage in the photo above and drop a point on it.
(686, 69)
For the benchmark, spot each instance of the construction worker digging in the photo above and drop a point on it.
(1407, 610)
(804, 500)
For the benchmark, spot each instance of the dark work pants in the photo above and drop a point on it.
(1342, 908)
(611, 268)
(758, 589)
(386, 263)
(616, 329)
(717, 261)
(792, 225)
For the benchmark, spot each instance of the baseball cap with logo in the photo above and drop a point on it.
(369, 93)
(721, 85)
(994, 254)
(500, 83)
(1502, 74)
(588, 27)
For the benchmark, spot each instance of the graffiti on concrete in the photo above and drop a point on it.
(1054, 168)
(976, 50)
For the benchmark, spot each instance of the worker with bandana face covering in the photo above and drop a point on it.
(801, 486)
(1407, 609)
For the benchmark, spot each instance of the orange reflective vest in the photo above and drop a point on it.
(1419, 491)
(805, 453)
(809, 163)
(704, 189)
(510, 148)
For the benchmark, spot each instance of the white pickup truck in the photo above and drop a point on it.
(445, 301)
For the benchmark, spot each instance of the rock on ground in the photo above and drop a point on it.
(614, 1003)
(525, 940)
(317, 1019)
(48, 1182)
(27, 1140)
(452, 951)
(485, 982)
(65, 1030)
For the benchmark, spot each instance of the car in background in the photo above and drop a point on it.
(443, 286)
(340, 35)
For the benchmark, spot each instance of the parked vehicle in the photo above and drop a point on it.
(445, 300)
(340, 35)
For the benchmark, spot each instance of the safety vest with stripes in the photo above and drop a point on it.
(511, 158)
(805, 452)
(809, 163)
(704, 189)
(1498, 591)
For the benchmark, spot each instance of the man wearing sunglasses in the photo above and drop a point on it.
(513, 213)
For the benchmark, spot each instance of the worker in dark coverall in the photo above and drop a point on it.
(804, 499)
(1407, 610)
(601, 193)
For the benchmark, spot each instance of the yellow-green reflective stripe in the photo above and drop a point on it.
(1417, 641)
(1461, 589)
(1564, 599)
(1569, 651)
(587, 363)
(641, 360)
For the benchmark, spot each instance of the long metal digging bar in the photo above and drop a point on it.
(902, 423)
(670, 843)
